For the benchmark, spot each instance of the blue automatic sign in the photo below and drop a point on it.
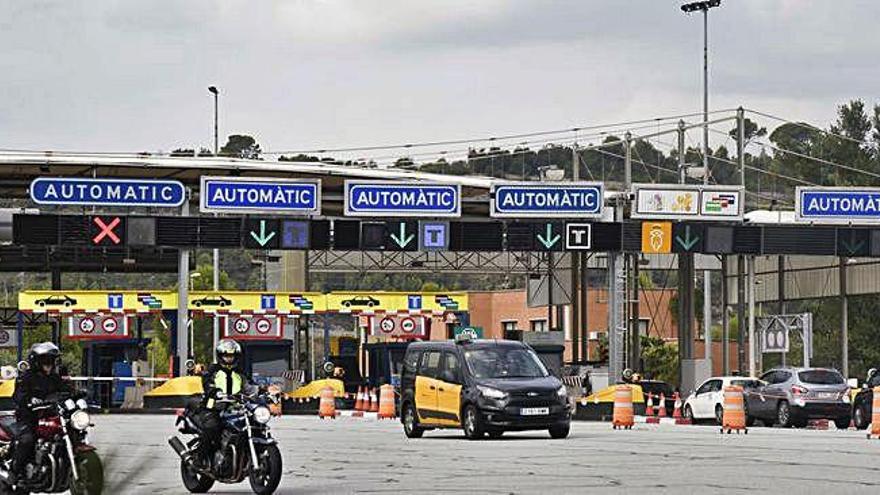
(107, 192)
(560, 199)
(837, 205)
(243, 195)
(394, 199)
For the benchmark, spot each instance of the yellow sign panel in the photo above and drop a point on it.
(238, 302)
(656, 237)
(94, 301)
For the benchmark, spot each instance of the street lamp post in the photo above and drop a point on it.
(216, 261)
(704, 6)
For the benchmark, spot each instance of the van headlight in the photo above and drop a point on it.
(80, 420)
(491, 393)
(562, 392)
(262, 415)
(845, 397)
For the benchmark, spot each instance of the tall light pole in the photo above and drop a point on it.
(216, 265)
(704, 7)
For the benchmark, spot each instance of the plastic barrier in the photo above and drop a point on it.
(623, 408)
(875, 414)
(386, 402)
(734, 417)
(327, 406)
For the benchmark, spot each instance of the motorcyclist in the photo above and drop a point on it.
(32, 388)
(221, 379)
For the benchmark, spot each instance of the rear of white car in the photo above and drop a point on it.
(707, 402)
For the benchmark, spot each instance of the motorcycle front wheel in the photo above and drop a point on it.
(193, 481)
(266, 477)
(91, 474)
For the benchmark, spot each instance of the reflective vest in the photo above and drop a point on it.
(228, 381)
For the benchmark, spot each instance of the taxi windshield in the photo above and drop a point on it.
(504, 362)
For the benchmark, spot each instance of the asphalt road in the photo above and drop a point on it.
(351, 455)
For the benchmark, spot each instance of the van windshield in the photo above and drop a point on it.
(504, 362)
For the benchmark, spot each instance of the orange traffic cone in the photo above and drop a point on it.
(374, 401)
(386, 402)
(649, 406)
(327, 406)
(676, 411)
(875, 414)
(734, 416)
(661, 410)
(623, 408)
(359, 403)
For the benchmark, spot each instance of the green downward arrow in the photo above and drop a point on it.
(852, 247)
(550, 240)
(262, 239)
(688, 242)
(403, 239)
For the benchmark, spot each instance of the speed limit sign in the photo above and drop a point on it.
(387, 324)
(109, 325)
(87, 325)
(263, 326)
(241, 325)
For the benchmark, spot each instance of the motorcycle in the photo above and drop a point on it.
(246, 448)
(63, 458)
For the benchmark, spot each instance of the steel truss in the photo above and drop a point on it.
(481, 263)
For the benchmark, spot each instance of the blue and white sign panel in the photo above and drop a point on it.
(107, 192)
(396, 199)
(547, 199)
(245, 195)
(837, 205)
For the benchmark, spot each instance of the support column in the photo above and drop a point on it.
(56, 322)
(725, 319)
(844, 321)
(741, 313)
(182, 299)
(780, 292)
(575, 306)
(635, 343)
(751, 288)
(616, 322)
(585, 302)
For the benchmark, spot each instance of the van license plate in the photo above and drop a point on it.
(534, 411)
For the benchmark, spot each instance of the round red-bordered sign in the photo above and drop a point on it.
(241, 325)
(109, 325)
(387, 324)
(263, 325)
(86, 325)
(408, 325)
(4, 336)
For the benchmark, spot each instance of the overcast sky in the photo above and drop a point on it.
(133, 75)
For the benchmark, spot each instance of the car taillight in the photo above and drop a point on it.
(798, 390)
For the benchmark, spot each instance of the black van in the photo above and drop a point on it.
(481, 386)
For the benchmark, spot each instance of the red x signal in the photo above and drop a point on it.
(106, 230)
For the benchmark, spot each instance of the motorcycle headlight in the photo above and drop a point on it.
(262, 415)
(492, 393)
(562, 392)
(80, 420)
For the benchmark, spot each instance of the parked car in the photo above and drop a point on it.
(793, 396)
(707, 402)
(864, 400)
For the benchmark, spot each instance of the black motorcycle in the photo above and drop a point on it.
(246, 448)
(63, 458)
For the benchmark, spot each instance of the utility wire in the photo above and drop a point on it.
(808, 126)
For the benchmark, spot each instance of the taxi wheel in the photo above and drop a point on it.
(410, 425)
(473, 423)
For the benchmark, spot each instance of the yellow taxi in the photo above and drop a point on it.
(485, 387)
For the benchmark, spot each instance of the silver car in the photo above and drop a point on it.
(793, 396)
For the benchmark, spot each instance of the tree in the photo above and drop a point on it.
(241, 146)
(660, 360)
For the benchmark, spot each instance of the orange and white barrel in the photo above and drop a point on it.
(623, 407)
(734, 417)
(327, 406)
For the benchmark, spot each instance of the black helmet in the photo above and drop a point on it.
(42, 354)
(227, 348)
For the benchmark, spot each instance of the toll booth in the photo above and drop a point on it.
(550, 346)
(265, 360)
(112, 359)
(385, 362)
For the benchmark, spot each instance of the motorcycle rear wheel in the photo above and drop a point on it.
(266, 478)
(193, 481)
(91, 474)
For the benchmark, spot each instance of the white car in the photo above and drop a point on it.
(708, 401)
